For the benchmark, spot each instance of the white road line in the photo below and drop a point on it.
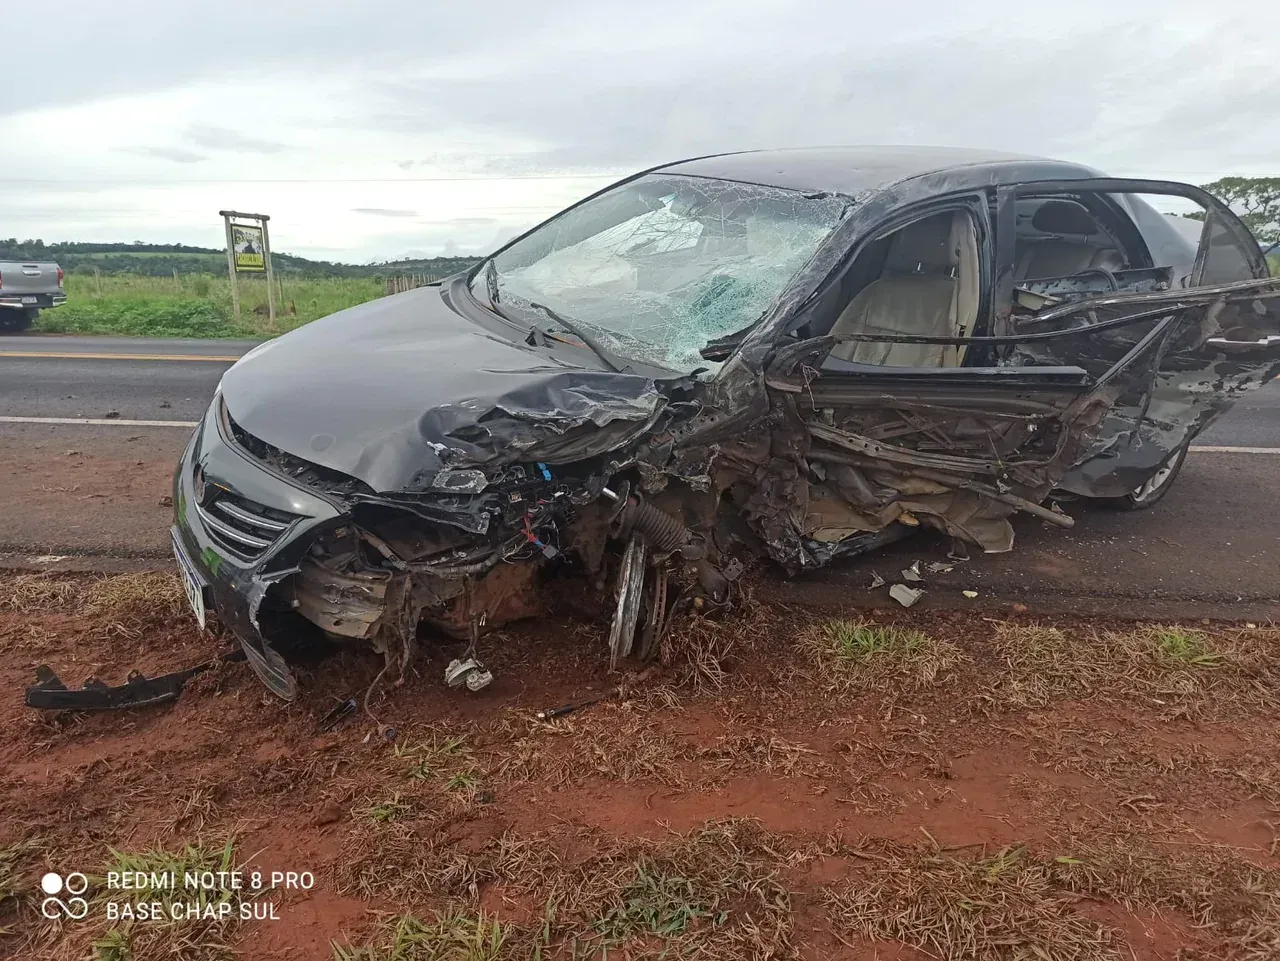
(99, 422)
(1209, 449)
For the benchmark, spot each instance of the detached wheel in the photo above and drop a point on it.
(1157, 485)
(14, 320)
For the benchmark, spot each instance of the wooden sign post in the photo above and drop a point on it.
(249, 252)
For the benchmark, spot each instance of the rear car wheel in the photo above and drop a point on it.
(1157, 485)
(16, 319)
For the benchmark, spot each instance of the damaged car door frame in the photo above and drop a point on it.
(1080, 401)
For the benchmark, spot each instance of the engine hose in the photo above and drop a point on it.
(660, 529)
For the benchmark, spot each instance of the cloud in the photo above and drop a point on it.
(364, 141)
(213, 137)
(175, 154)
(384, 212)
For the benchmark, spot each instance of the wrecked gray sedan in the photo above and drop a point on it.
(796, 355)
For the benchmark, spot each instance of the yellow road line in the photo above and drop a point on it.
(60, 355)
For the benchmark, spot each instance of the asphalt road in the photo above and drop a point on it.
(93, 494)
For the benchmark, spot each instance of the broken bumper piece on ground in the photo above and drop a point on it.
(49, 693)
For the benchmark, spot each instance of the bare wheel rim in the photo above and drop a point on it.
(630, 596)
(655, 613)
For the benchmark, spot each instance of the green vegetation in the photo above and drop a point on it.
(1256, 200)
(446, 937)
(1179, 645)
(854, 640)
(198, 305)
(163, 260)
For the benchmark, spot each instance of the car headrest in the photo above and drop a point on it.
(1063, 217)
(922, 247)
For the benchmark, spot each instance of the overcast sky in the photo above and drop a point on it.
(372, 130)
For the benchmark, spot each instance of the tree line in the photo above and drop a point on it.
(163, 260)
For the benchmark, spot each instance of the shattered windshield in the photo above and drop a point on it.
(659, 266)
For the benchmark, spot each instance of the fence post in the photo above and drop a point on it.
(231, 268)
(271, 277)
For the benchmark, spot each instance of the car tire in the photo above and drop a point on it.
(1153, 491)
(14, 320)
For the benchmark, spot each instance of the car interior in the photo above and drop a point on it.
(921, 278)
(1058, 238)
(924, 277)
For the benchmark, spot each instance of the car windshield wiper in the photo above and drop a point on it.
(611, 359)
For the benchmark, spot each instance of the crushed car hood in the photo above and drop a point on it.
(391, 391)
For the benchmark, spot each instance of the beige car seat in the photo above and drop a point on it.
(1073, 248)
(929, 286)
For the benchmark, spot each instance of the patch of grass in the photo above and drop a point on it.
(713, 893)
(38, 593)
(1181, 646)
(865, 653)
(15, 891)
(392, 809)
(110, 596)
(1180, 669)
(187, 939)
(1004, 906)
(197, 305)
(464, 782)
(658, 903)
(115, 945)
(430, 758)
(1217, 890)
(140, 317)
(458, 936)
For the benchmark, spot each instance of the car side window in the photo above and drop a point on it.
(1068, 240)
(1061, 237)
(921, 278)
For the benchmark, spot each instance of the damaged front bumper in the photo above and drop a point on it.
(242, 528)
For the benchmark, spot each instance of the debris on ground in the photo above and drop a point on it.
(906, 596)
(876, 581)
(469, 672)
(339, 713)
(912, 573)
(970, 594)
(937, 567)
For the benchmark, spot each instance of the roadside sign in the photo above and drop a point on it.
(248, 252)
(247, 240)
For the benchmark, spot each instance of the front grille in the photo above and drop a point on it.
(243, 527)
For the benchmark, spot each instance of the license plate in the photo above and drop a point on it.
(192, 582)
(29, 300)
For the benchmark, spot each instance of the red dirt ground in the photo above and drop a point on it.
(1161, 776)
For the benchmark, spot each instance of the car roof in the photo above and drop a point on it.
(856, 171)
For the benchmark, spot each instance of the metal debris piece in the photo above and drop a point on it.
(50, 694)
(339, 713)
(912, 573)
(876, 581)
(937, 567)
(564, 709)
(470, 672)
(959, 550)
(970, 594)
(906, 596)
(733, 570)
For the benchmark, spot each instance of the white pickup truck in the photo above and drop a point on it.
(25, 288)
